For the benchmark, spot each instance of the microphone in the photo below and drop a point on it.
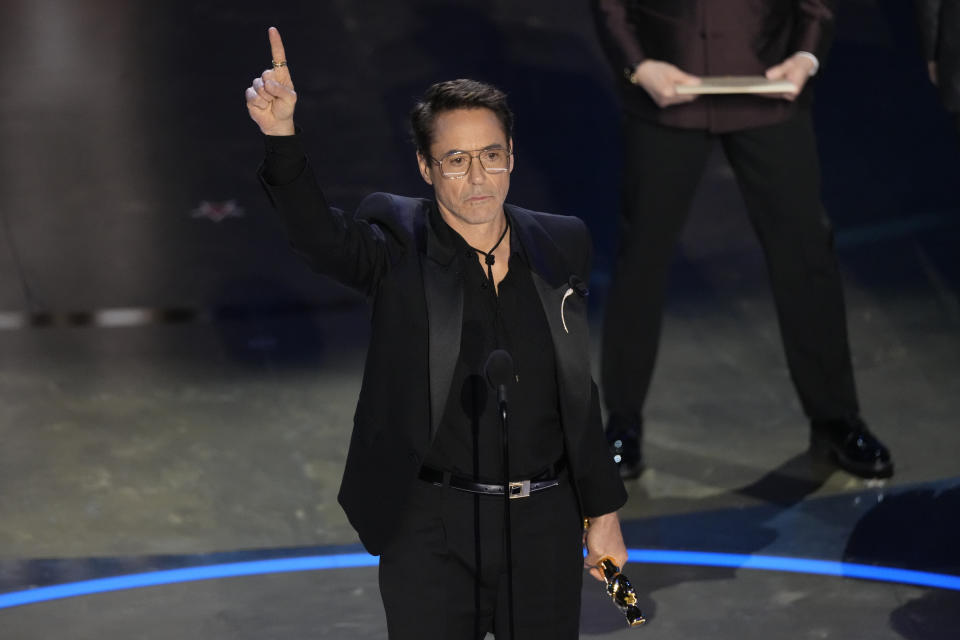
(576, 283)
(498, 370)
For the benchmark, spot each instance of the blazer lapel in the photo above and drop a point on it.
(567, 317)
(444, 294)
(566, 311)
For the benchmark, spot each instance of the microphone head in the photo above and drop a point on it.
(499, 368)
(576, 283)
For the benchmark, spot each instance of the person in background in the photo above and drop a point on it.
(655, 46)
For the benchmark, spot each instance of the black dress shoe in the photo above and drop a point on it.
(852, 447)
(625, 437)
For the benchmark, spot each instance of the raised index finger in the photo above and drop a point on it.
(276, 45)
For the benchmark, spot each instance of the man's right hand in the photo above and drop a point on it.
(271, 98)
(660, 80)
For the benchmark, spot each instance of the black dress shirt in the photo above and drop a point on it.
(469, 440)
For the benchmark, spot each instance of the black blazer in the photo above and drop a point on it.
(712, 38)
(389, 251)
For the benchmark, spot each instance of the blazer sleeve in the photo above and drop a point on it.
(815, 27)
(928, 16)
(618, 35)
(349, 249)
(601, 488)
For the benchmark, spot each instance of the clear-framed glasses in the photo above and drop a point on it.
(456, 164)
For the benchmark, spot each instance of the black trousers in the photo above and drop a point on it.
(779, 176)
(440, 580)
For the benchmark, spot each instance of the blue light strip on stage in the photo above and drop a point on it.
(351, 560)
(797, 565)
(191, 574)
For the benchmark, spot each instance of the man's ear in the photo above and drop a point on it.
(424, 165)
(510, 146)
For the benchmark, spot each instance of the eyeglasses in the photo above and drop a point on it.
(456, 164)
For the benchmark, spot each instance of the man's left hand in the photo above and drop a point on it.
(795, 69)
(604, 538)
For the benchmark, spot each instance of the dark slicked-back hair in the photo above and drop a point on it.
(456, 94)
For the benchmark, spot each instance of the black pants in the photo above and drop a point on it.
(779, 176)
(437, 584)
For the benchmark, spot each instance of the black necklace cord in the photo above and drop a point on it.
(488, 256)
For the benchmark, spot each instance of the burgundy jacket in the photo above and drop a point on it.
(710, 38)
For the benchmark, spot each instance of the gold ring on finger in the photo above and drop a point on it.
(277, 64)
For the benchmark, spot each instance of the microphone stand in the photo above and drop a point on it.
(502, 406)
(499, 370)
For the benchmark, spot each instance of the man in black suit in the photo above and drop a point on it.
(654, 46)
(452, 279)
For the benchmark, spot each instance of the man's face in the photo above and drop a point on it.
(477, 197)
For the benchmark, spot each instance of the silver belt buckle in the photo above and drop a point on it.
(520, 489)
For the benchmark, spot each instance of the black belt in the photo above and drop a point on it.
(520, 489)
